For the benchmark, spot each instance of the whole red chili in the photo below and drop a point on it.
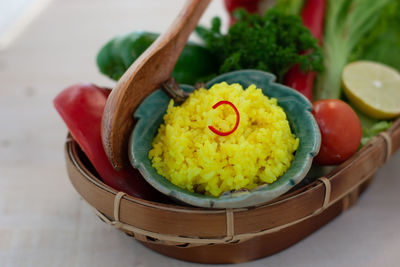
(224, 102)
(313, 18)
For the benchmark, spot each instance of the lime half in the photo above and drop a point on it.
(373, 88)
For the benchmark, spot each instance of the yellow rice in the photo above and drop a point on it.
(187, 153)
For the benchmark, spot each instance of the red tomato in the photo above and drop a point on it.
(340, 131)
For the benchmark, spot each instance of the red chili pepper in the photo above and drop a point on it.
(81, 107)
(313, 15)
(224, 102)
(313, 18)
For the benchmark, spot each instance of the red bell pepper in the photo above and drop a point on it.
(249, 5)
(313, 18)
(81, 107)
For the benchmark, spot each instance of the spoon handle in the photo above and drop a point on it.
(145, 75)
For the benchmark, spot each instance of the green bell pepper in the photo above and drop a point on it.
(195, 63)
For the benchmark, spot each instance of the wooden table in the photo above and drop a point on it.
(43, 221)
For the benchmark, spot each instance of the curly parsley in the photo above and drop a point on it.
(273, 42)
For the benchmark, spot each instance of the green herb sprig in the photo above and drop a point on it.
(273, 42)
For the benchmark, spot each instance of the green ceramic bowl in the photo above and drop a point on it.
(298, 109)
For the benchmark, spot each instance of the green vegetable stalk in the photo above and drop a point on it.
(195, 63)
(273, 42)
(289, 7)
(347, 22)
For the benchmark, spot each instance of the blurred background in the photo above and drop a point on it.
(15, 15)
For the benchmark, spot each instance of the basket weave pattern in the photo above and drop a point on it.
(178, 226)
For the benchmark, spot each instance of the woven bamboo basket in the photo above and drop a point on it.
(233, 235)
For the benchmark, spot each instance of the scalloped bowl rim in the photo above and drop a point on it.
(257, 196)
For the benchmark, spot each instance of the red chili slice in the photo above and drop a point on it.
(224, 102)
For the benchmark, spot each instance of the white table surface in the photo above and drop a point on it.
(44, 222)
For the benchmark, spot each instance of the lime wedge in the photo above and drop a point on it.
(373, 88)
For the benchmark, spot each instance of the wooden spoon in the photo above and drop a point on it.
(145, 75)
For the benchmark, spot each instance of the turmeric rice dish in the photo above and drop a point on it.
(186, 152)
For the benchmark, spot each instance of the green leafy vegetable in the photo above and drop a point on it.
(382, 43)
(195, 63)
(347, 22)
(370, 127)
(373, 130)
(272, 42)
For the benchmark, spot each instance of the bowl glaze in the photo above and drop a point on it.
(149, 116)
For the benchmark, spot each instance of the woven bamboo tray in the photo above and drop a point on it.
(233, 235)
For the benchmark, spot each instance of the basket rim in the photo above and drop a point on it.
(72, 147)
(342, 180)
